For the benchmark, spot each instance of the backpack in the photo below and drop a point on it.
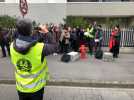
(99, 54)
(65, 58)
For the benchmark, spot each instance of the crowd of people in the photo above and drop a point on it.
(68, 38)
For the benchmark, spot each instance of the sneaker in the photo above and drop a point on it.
(55, 54)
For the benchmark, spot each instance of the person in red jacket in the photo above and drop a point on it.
(114, 42)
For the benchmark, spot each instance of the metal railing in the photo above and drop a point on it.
(127, 37)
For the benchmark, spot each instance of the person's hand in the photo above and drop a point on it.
(44, 29)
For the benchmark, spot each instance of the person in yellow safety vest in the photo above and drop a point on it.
(28, 57)
(90, 35)
(90, 32)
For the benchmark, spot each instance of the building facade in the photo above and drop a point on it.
(47, 11)
(2, 0)
(98, 0)
(37, 1)
(62, 1)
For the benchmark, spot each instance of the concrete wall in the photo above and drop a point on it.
(55, 12)
(57, 1)
(37, 1)
(2, 0)
(112, 0)
(101, 9)
(97, 0)
(2, 9)
(43, 13)
(82, 0)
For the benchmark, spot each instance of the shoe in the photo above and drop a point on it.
(55, 54)
(115, 56)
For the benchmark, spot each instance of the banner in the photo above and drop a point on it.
(23, 7)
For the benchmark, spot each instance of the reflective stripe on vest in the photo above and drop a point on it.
(32, 75)
(90, 35)
(30, 86)
(90, 32)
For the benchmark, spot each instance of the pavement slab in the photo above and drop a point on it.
(91, 70)
(8, 92)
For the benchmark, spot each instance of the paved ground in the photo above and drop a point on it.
(8, 92)
(121, 70)
(91, 69)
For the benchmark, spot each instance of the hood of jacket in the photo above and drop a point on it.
(23, 44)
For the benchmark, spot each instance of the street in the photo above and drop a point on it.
(121, 69)
(89, 70)
(8, 92)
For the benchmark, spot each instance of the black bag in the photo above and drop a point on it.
(65, 58)
(99, 54)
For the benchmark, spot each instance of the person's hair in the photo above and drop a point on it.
(66, 28)
(118, 26)
(37, 28)
(99, 26)
(24, 27)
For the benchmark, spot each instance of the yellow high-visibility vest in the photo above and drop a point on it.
(90, 32)
(30, 73)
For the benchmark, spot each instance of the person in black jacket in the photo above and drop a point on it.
(4, 42)
(23, 45)
(37, 35)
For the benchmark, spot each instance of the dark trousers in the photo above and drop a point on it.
(61, 46)
(91, 44)
(75, 45)
(66, 48)
(3, 45)
(115, 50)
(31, 96)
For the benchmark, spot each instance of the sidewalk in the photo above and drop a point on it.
(90, 72)
(128, 50)
(73, 93)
